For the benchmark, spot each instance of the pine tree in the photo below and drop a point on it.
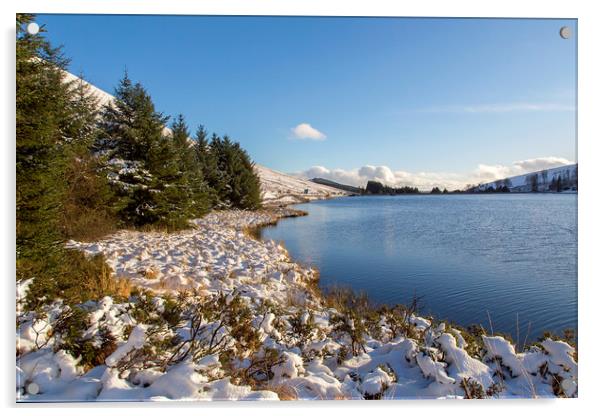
(239, 185)
(220, 176)
(86, 211)
(169, 185)
(131, 125)
(197, 191)
(143, 161)
(41, 116)
(207, 163)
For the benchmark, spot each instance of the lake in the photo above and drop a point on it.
(468, 256)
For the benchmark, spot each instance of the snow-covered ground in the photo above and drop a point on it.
(302, 347)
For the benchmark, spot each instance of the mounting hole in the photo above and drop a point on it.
(33, 388)
(565, 32)
(33, 28)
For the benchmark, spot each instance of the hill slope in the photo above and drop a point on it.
(281, 189)
(333, 184)
(541, 181)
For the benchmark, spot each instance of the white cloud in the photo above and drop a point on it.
(502, 108)
(541, 163)
(488, 173)
(386, 175)
(427, 180)
(305, 131)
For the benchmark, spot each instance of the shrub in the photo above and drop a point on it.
(89, 278)
(70, 328)
(218, 325)
(258, 370)
(472, 389)
(397, 320)
(303, 328)
(351, 324)
(86, 213)
(357, 317)
(79, 279)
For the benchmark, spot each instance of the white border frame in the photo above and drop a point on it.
(589, 106)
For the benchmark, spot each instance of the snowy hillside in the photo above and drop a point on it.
(542, 181)
(281, 189)
(277, 188)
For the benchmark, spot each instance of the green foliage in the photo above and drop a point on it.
(377, 188)
(165, 179)
(130, 126)
(155, 175)
(342, 354)
(132, 140)
(237, 183)
(568, 336)
(70, 329)
(260, 367)
(78, 279)
(86, 207)
(59, 191)
(356, 317)
(41, 115)
(472, 389)
(221, 324)
(81, 173)
(207, 164)
(302, 329)
(397, 320)
(87, 212)
(217, 325)
(169, 201)
(198, 192)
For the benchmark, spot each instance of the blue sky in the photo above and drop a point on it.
(441, 98)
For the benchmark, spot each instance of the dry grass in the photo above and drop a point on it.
(341, 298)
(105, 284)
(292, 300)
(89, 278)
(275, 213)
(83, 224)
(162, 284)
(149, 274)
(313, 286)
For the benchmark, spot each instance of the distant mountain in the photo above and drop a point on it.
(333, 184)
(560, 179)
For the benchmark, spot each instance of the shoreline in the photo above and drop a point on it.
(324, 347)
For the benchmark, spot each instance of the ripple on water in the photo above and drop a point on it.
(465, 254)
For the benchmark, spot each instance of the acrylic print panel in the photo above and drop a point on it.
(295, 208)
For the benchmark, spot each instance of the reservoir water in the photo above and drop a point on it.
(510, 257)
